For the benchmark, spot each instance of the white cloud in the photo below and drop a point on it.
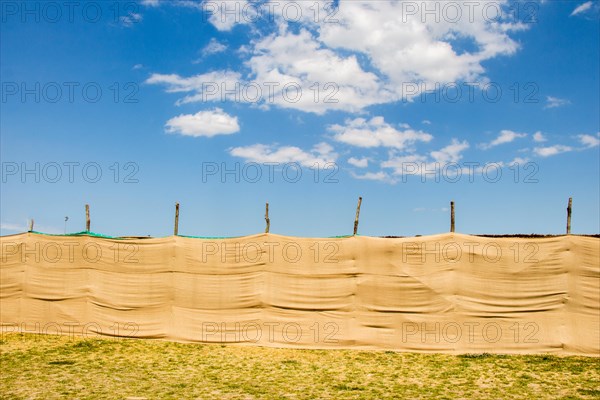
(376, 133)
(410, 164)
(211, 86)
(450, 153)
(409, 48)
(359, 162)
(505, 136)
(403, 164)
(518, 161)
(325, 150)
(426, 122)
(373, 176)
(204, 123)
(539, 137)
(137, 66)
(377, 53)
(225, 14)
(176, 83)
(580, 9)
(213, 47)
(555, 102)
(589, 140)
(150, 3)
(314, 80)
(130, 19)
(320, 154)
(551, 150)
(327, 80)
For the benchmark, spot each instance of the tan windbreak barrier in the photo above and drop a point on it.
(449, 293)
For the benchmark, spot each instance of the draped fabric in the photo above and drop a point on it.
(449, 293)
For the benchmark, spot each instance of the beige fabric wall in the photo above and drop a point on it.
(449, 293)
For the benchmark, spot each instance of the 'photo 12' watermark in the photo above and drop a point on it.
(228, 13)
(470, 92)
(468, 332)
(472, 332)
(269, 172)
(69, 172)
(427, 253)
(69, 252)
(73, 329)
(467, 171)
(124, 13)
(267, 92)
(231, 12)
(68, 92)
(406, 171)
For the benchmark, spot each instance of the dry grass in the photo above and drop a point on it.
(51, 367)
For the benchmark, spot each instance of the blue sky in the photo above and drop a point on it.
(222, 106)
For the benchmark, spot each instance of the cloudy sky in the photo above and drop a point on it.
(225, 105)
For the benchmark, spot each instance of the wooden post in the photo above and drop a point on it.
(451, 216)
(87, 217)
(267, 220)
(357, 214)
(569, 215)
(31, 225)
(176, 229)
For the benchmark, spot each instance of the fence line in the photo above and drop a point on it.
(268, 220)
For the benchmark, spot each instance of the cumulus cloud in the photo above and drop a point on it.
(203, 124)
(518, 161)
(505, 136)
(555, 102)
(130, 19)
(373, 176)
(410, 47)
(210, 86)
(213, 47)
(376, 133)
(150, 3)
(551, 150)
(539, 137)
(407, 163)
(400, 164)
(589, 141)
(359, 162)
(321, 154)
(377, 53)
(450, 153)
(224, 15)
(326, 79)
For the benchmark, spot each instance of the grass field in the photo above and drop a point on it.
(50, 367)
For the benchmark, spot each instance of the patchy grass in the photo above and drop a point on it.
(53, 367)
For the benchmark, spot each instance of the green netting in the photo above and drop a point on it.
(100, 235)
(82, 233)
(209, 237)
(235, 237)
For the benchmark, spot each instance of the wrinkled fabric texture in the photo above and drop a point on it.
(449, 293)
